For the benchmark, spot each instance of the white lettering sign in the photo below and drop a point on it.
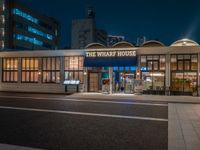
(124, 53)
(76, 82)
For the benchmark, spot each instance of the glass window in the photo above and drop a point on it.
(21, 37)
(149, 57)
(155, 65)
(51, 70)
(184, 62)
(155, 57)
(173, 62)
(153, 62)
(186, 65)
(194, 63)
(30, 70)
(74, 68)
(180, 57)
(40, 33)
(10, 70)
(22, 14)
(180, 65)
(162, 62)
(149, 65)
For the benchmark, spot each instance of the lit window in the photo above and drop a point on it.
(74, 68)
(28, 39)
(25, 15)
(30, 70)
(51, 70)
(10, 70)
(40, 33)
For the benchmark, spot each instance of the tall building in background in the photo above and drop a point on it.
(23, 29)
(85, 31)
(113, 39)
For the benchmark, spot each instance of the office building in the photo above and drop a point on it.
(85, 31)
(24, 29)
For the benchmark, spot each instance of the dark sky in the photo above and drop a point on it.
(166, 20)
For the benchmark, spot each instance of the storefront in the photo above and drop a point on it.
(110, 70)
(123, 68)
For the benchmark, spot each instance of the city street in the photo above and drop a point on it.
(58, 122)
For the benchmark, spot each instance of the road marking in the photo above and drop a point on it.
(84, 113)
(90, 101)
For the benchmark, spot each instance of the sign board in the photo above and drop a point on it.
(71, 82)
(116, 53)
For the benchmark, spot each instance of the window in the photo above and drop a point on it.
(194, 62)
(162, 62)
(24, 15)
(173, 62)
(143, 62)
(40, 33)
(51, 70)
(21, 37)
(30, 70)
(152, 62)
(10, 69)
(18, 25)
(180, 65)
(183, 62)
(74, 68)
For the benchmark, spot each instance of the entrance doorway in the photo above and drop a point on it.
(93, 82)
(124, 82)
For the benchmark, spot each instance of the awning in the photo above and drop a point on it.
(109, 61)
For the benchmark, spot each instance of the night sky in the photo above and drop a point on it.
(166, 21)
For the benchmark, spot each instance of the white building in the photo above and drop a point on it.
(168, 70)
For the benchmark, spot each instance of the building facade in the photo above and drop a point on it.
(84, 31)
(22, 28)
(158, 69)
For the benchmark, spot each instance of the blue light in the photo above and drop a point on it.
(121, 68)
(40, 33)
(25, 15)
(127, 68)
(115, 68)
(28, 39)
(143, 68)
(133, 68)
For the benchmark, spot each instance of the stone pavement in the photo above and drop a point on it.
(183, 127)
(14, 147)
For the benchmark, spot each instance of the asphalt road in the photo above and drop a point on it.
(59, 123)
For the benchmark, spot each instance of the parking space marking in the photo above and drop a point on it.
(89, 101)
(84, 113)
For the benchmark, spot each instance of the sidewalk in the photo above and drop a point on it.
(162, 98)
(183, 127)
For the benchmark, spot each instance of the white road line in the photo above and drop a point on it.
(89, 101)
(84, 113)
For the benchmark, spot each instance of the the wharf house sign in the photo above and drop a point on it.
(116, 53)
